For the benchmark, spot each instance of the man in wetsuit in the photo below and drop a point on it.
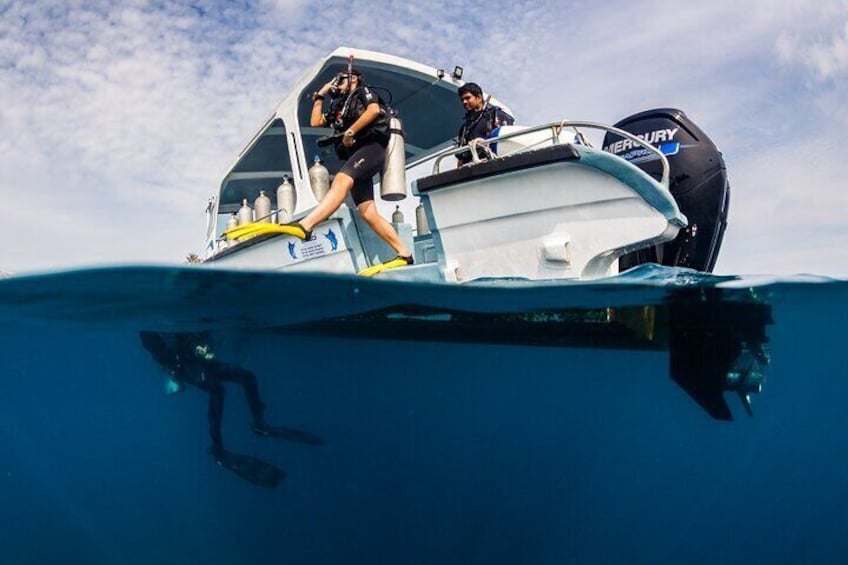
(481, 119)
(189, 361)
(361, 124)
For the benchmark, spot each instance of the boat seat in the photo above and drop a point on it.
(516, 162)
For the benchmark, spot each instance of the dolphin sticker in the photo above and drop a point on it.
(331, 237)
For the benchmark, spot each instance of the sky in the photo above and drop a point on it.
(118, 119)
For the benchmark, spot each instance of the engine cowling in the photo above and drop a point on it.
(697, 181)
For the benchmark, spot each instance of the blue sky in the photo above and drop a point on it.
(118, 119)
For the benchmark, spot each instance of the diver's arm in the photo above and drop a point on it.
(369, 115)
(316, 119)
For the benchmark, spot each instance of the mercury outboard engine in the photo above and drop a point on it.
(697, 180)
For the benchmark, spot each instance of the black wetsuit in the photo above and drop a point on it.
(366, 157)
(189, 367)
(480, 124)
(189, 361)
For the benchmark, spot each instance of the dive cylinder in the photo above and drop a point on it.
(421, 220)
(697, 181)
(245, 213)
(286, 201)
(393, 177)
(397, 216)
(319, 179)
(232, 222)
(262, 206)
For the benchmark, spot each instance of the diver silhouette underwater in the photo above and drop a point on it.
(189, 361)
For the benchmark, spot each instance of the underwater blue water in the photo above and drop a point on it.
(436, 451)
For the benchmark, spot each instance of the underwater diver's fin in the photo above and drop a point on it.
(288, 434)
(249, 468)
(399, 261)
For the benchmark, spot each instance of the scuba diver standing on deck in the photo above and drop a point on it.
(361, 124)
(481, 119)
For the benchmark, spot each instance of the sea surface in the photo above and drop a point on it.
(486, 423)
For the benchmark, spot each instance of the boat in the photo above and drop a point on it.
(537, 205)
(546, 205)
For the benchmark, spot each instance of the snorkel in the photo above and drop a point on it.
(337, 81)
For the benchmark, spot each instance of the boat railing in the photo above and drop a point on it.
(556, 129)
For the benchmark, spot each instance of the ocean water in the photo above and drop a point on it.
(475, 424)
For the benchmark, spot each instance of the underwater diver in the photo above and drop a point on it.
(189, 361)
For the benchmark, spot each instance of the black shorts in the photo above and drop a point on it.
(365, 162)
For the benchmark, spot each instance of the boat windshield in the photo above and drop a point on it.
(261, 168)
(428, 107)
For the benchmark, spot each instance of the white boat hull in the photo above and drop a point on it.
(564, 220)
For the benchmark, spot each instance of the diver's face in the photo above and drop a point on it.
(346, 85)
(471, 102)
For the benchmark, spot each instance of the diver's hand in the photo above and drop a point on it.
(348, 140)
(324, 90)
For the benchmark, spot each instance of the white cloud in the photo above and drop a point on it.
(786, 211)
(826, 58)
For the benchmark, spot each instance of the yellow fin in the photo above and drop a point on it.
(239, 231)
(374, 269)
(254, 229)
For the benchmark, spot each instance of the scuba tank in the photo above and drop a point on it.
(319, 179)
(393, 177)
(397, 216)
(232, 222)
(286, 201)
(421, 220)
(262, 205)
(245, 213)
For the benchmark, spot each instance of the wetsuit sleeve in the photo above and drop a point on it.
(367, 96)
